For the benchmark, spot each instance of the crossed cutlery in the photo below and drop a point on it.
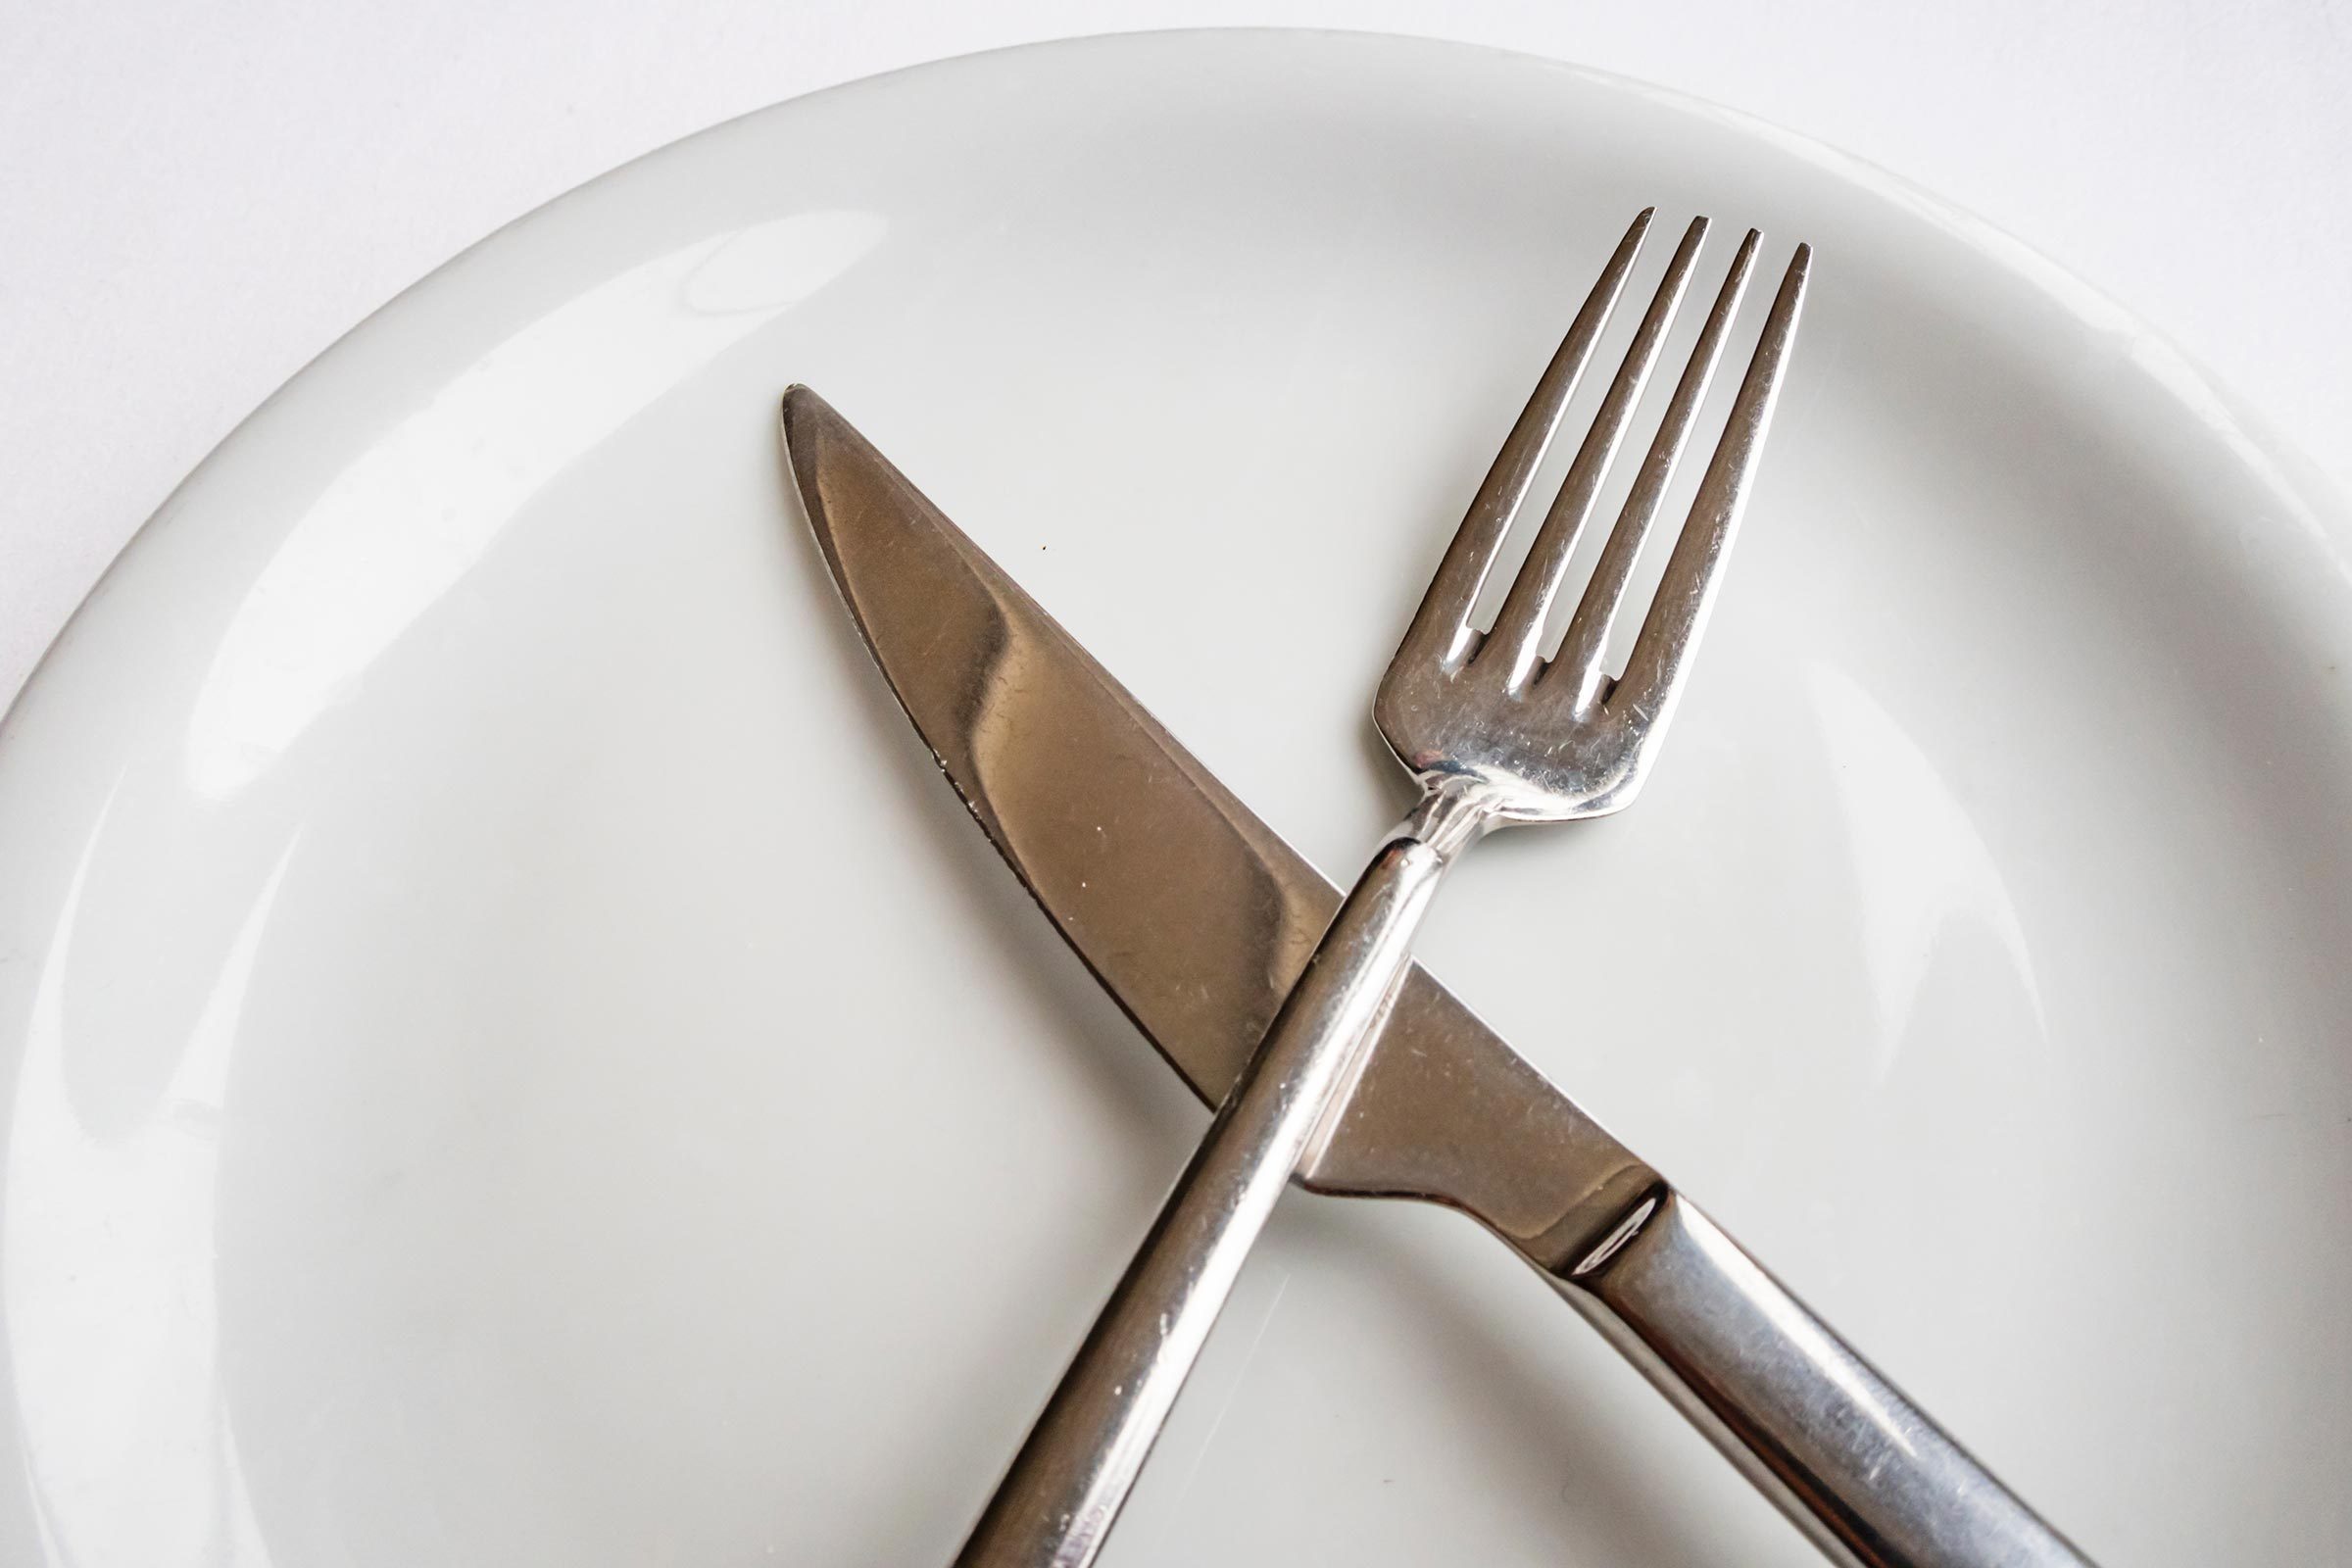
(1495, 734)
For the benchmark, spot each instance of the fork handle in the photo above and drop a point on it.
(1857, 1466)
(1072, 1473)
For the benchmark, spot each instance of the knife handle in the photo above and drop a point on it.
(1860, 1469)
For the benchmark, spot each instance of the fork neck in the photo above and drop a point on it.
(1453, 813)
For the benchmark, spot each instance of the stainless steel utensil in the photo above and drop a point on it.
(1870, 1477)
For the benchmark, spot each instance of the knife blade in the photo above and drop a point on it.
(1196, 917)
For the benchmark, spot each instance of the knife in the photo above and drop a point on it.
(1196, 917)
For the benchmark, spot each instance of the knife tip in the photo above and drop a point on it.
(800, 413)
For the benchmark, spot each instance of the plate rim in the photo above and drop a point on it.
(2293, 469)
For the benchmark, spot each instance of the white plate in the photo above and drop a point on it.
(518, 1059)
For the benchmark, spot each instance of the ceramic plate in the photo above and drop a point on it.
(515, 1057)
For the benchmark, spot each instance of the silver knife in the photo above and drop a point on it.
(1196, 917)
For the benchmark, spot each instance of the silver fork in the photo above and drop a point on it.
(1495, 734)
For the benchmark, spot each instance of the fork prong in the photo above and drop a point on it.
(1661, 657)
(1518, 634)
(1576, 670)
(1441, 630)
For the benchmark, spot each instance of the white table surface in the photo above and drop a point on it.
(193, 202)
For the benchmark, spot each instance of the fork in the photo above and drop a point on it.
(1495, 734)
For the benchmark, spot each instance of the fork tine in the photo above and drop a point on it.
(1660, 660)
(1441, 630)
(1518, 633)
(1577, 667)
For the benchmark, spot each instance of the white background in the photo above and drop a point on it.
(194, 199)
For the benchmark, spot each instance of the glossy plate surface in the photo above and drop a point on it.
(510, 1055)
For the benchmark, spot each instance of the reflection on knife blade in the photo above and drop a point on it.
(1193, 913)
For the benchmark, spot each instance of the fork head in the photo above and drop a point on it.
(1486, 716)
